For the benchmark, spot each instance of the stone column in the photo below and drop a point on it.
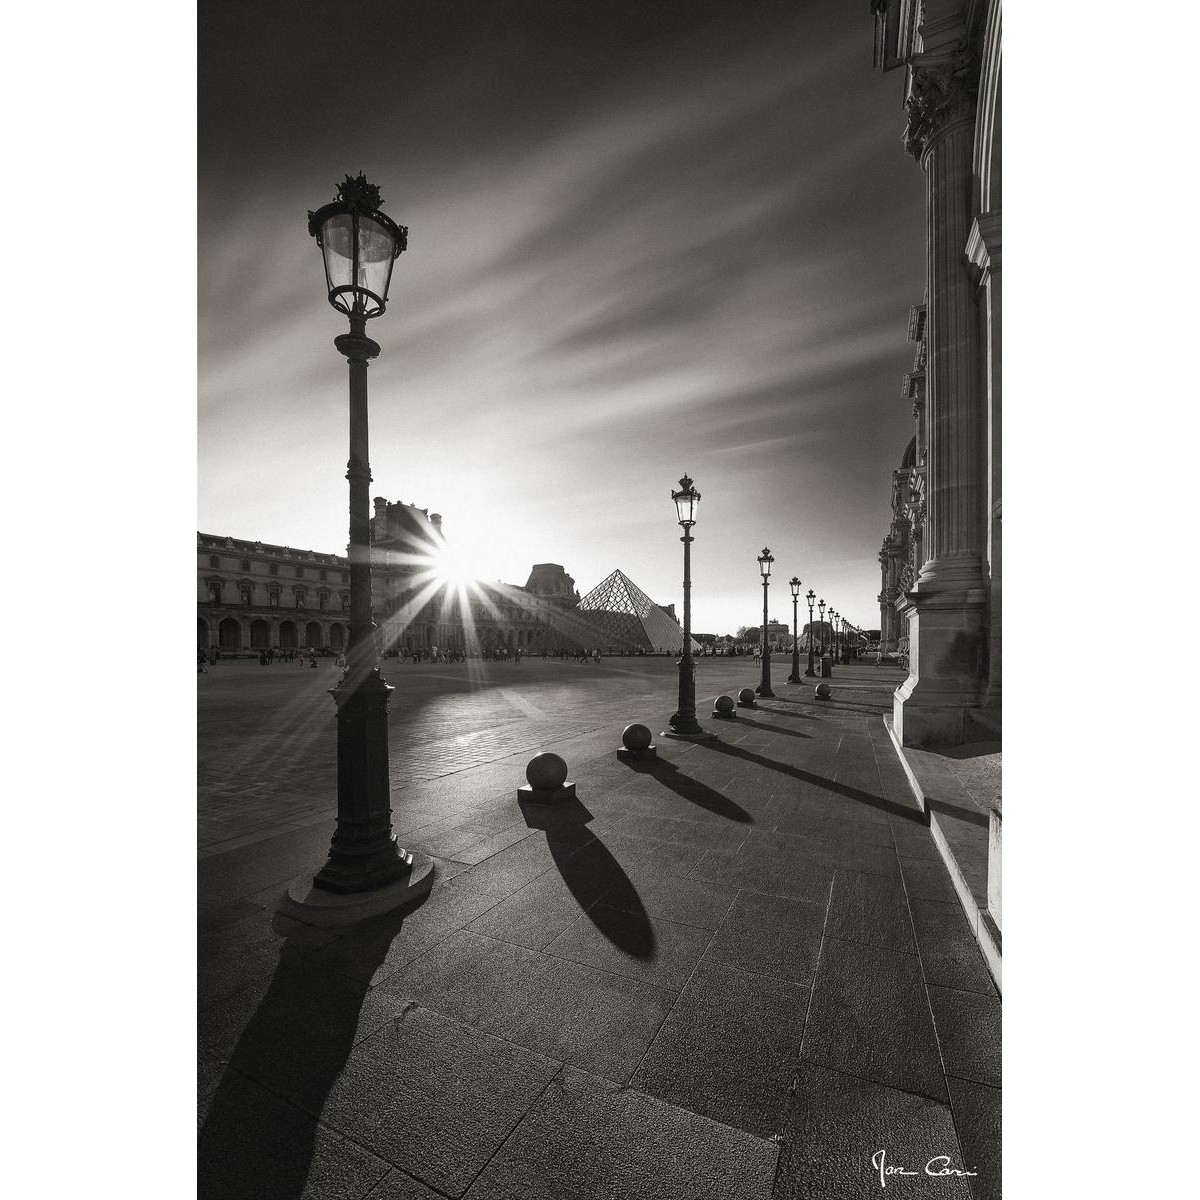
(983, 250)
(946, 606)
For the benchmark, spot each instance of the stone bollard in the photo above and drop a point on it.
(723, 708)
(635, 744)
(823, 691)
(746, 698)
(547, 775)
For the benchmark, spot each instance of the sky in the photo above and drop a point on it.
(644, 239)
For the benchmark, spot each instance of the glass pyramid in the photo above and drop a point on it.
(625, 618)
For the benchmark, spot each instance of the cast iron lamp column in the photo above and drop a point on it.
(833, 633)
(794, 584)
(764, 565)
(683, 720)
(359, 245)
(821, 610)
(810, 597)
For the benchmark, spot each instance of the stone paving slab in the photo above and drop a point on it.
(729, 1048)
(435, 1098)
(837, 1123)
(854, 986)
(253, 1145)
(871, 910)
(770, 935)
(565, 1010)
(586, 1138)
(977, 1117)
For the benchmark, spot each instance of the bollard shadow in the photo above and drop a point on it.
(821, 781)
(591, 873)
(259, 1141)
(775, 728)
(700, 794)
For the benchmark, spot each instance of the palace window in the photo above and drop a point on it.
(274, 568)
(345, 604)
(214, 591)
(273, 596)
(299, 572)
(323, 575)
(247, 594)
(299, 597)
(345, 576)
(245, 564)
(322, 600)
(214, 561)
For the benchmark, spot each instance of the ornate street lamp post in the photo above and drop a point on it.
(359, 245)
(794, 584)
(764, 565)
(810, 597)
(683, 721)
(833, 633)
(821, 610)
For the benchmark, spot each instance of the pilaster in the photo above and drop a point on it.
(946, 604)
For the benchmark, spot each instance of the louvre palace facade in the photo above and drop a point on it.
(254, 596)
(941, 558)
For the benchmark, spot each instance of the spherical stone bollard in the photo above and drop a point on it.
(546, 772)
(635, 744)
(636, 737)
(823, 691)
(746, 698)
(723, 707)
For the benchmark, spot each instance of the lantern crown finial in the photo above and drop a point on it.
(358, 193)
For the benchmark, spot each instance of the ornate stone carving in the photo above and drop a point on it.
(942, 93)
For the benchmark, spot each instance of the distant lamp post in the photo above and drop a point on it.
(683, 720)
(833, 633)
(359, 246)
(821, 610)
(794, 584)
(810, 597)
(764, 565)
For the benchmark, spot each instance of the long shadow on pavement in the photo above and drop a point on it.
(773, 728)
(253, 1143)
(591, 872)
(669, 775)
(821, 781)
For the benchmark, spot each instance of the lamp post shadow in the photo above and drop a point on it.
(253, 1143)
(592, 875)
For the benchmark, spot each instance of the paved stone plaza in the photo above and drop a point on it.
(740, 971)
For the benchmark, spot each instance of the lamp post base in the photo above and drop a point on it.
(764, 689)
(317, 906)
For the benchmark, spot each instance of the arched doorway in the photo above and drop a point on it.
(312, 636)
(287, 635)
(201, 634)
(229, 634)
(336, 638)
(260, 635)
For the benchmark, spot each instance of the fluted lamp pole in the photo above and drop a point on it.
(833, 633)
(821, 612)
(794, 584)
(359, 245)
(810, 596)
(764, 565)
(683, 720)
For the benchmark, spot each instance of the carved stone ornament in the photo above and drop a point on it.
(907, 577)
(943, 93)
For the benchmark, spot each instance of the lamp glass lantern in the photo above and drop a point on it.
(687, 500)
(794, 584)
(359, 245)
(765, 559)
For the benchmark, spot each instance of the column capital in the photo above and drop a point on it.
(941, 94)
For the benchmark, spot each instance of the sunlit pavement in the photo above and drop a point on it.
(740, 971)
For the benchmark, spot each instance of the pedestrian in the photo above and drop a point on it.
(262, 658)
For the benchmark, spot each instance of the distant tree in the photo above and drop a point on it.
(750, 634)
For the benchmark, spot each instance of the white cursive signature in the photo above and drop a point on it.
(937, 1166)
